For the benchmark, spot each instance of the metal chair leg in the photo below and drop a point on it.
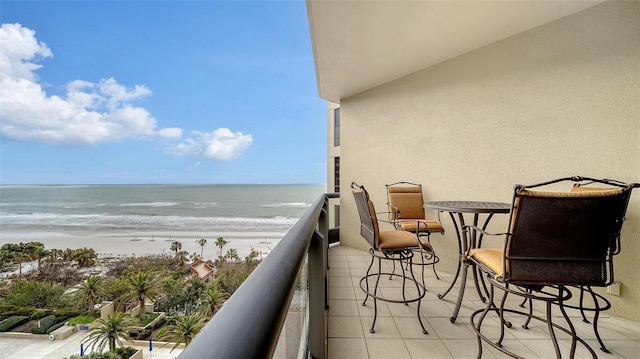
(406, 298)
(596, 316)
(375, 299)
(366, 276)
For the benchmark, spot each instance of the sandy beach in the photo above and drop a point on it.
(148, 242)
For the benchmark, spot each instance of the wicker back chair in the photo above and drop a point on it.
(395, 246)
(554, 240)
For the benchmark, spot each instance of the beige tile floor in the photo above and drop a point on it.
(398, 333)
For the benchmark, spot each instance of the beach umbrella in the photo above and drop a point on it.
(81, 349)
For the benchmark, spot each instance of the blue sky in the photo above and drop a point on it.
(159, 92)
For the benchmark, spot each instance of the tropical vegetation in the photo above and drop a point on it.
(90, 291)
(142, 286)
(183, 329)
(64, 286)
(111, 332)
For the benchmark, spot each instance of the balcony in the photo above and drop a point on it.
(281, 312)
(398, 334)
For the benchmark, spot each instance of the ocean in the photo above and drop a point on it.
(107, 216)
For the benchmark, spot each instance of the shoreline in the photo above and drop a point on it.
(142, 243)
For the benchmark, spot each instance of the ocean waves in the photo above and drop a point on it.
(132, 222)
(287, 205)
(144, 204)
(111, 209)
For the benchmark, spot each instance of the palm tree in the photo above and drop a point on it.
(232, 255)
(202, 242)
(85, 257)
(41, 254)
(220, 243)
(213, 300)
(181, 257)
(111, 331)
(184, 330)
(176, 247)
(142, 286)
(90, 291)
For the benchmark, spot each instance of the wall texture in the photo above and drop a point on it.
(558, 100)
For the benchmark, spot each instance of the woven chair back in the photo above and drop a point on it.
(368, 220)
(563, 237)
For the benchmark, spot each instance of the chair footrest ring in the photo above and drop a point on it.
(411, 284)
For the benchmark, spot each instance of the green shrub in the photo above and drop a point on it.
(43, 324)
(24, 293)
(54, 327)
(180, 273)
(83, 319)
(161, 332)
(6, 308)
(39, 314)
(143, 334)
(148, 319)
(69, 313)
(12, 322)
(61, 319)
(120, 353)
(7, 311)
(126, 352)
(159, 323)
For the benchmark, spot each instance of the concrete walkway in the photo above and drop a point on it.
(29, 348)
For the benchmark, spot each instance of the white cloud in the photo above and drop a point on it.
(170, 132)
(19, 45)
(221, 144)
(89, 113)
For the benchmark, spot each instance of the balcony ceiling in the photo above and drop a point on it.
(359, 45)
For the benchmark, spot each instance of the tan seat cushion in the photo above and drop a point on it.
(576, 192)
(492, 258)
(400, 239)
(411, 225)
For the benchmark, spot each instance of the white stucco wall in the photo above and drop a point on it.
(562, 99)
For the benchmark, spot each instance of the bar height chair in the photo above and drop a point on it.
(394, 246)
(554, 240)
(599, 302)
(405, 204)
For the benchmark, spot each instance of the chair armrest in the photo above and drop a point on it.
(468, 227)
(426, 224)
(380, 214)
(395, 211)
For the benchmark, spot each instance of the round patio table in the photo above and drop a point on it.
(467, 240)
